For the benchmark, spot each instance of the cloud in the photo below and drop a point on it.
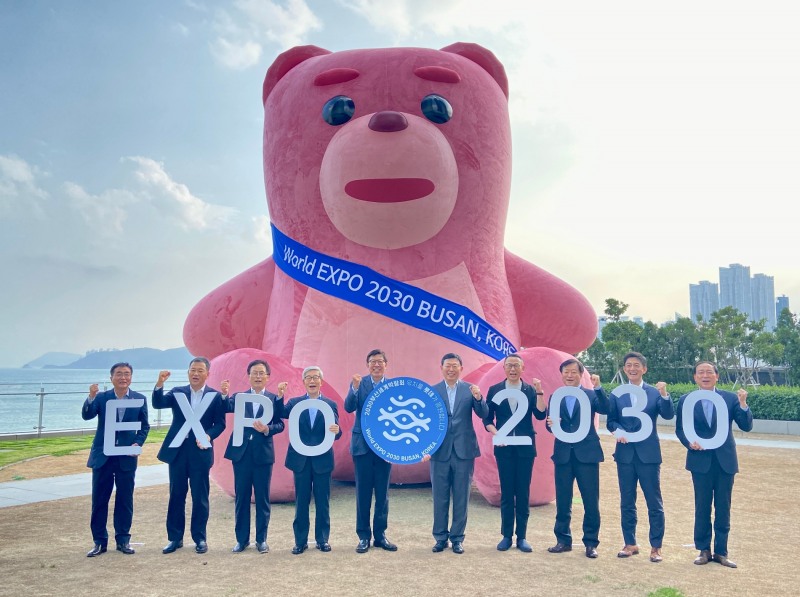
(103, 213)
(254, 22)
(175, 199)
(18, 184)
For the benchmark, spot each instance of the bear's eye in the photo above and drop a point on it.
(338, 110)
(436, 109)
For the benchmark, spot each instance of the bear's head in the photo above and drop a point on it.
(401, 151)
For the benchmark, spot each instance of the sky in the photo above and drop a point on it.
(652, 143)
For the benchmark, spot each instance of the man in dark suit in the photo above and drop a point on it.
(371, 471)
(515, 462)
(253, 459)
(453, 463)
(639, 462)
(190, 462)
(578, 461)
(312, 474)
(713, 469)
(108, 471)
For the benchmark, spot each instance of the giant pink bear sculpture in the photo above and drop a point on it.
(421, 201)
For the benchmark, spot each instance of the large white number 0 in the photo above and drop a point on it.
(502, 438)
(294, 428)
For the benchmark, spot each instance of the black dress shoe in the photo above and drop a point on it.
(523, 545)
(172, 546)
(324, 546)
(262, 547)
(440, 546)
(239, 547)
(126, 548)
(384, 543)
(591, 552)
(703, 558)
(96, 550)
(458, 547)
(201, 547)
(724, 561)
(363, 546)
(298, 549)
(559, 548)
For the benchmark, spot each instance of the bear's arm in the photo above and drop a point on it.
(550, 312)
(233, 315)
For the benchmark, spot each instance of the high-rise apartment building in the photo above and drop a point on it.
(763, 300)
(781, 303)
(734, 288)
(703, 300)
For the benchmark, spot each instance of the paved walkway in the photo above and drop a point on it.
(29, 491)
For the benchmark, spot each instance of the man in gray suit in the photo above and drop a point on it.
(452, 464)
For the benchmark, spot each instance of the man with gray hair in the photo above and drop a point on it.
(312, 474)
(190, 461)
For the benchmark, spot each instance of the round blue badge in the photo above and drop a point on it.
(403, 419)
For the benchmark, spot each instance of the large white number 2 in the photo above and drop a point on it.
(502, 438)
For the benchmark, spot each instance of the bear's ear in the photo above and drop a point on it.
(286, 62)
(483, 58)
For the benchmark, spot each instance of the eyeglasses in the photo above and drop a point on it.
(376, 362)
(312, 377)
(122, 374)
(258, 373)
(512, 365)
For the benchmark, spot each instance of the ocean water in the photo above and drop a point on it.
(64, 392)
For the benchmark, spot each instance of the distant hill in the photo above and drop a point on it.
(139, 358)
(52, 359)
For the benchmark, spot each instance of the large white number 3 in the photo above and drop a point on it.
(502, 438)
(634, 411)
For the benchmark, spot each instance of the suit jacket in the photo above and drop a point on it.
(213, 421)
(588, 450)
(699, 461)
(649, 449)
(354, 402)
(460, 437)
(261, 445)
(502, 413)
(312, 436)
(97, 408)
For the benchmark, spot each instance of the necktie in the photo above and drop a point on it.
(451, 397)
(708, 408)
(120, 413)
(312, 413)
(571, 404)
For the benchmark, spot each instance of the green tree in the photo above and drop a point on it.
(615, 309)
(728, 338)
(787, 333)
(769, 351)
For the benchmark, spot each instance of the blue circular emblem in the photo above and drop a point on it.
(403, 419)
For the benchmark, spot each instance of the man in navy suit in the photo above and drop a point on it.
(515, 462)
(578, 461)
(253, 459)
(454, 461)
(108, 471)
(371, 471)
(190, 462)
(640, 462)
(312, 474)
(713, 469)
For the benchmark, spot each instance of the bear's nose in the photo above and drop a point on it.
(388, 122)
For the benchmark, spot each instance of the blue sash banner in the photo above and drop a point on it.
(391, 298)
(403, 419)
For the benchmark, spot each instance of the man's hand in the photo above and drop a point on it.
(93, 390)
(260, 427)
(133, 455)
(225, 386)
(476, 392)
(201, 446)
(662, 389)
(282, 388)
(695, 446)
(334, 428)
(356, 381)
(537, 385)
(742, 396)
(595, 380)
(426, 457)
(162, 377)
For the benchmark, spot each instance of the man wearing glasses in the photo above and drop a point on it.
(253, 459)
(372, 472)
(312, 474)
(108, 471)
(515, 462)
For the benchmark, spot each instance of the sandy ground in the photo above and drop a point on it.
(42, 546)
